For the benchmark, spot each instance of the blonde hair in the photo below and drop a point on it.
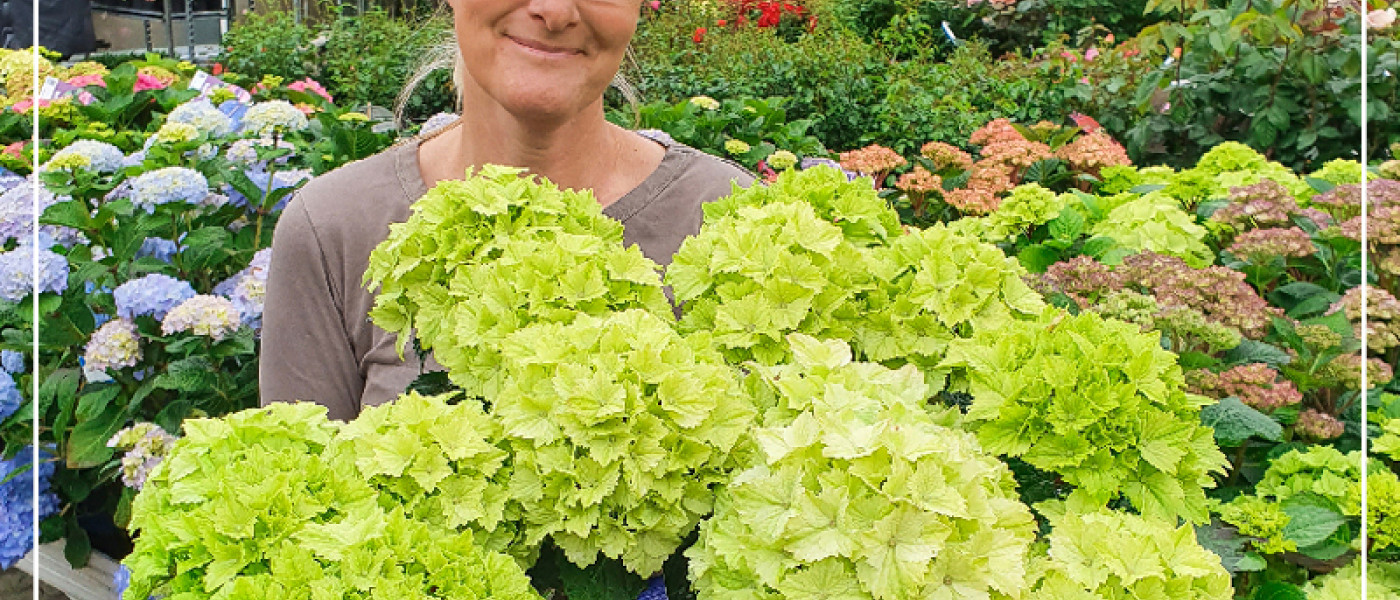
(447, 54)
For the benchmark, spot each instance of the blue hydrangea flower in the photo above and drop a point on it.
(121, 580)
(134, 159)
(10, 398)
(245, 151)
(274, 116)
(17, 503)
(171, 184)
(102, 157)
(279, 180)
(12, 361)
(247, 289)
(203, 116)
(17, 278)
(157, 248)
(17, 215)
(154, 295)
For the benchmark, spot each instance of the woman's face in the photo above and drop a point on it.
(543, 59)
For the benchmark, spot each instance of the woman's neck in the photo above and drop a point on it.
(585, 152)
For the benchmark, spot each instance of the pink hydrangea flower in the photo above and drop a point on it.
(311, 86)
(87, 80)
(148, 82)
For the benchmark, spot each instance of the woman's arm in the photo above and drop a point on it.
(306, 354)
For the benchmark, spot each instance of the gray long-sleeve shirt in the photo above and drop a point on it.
(318, 344)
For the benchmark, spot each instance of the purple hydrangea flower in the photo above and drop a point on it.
(247, 288)
(278, 180)
(154, 295)
(17, 278)
(9, 179)
(17, 216)
(17, 503)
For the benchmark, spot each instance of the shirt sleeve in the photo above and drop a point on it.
(306, 353)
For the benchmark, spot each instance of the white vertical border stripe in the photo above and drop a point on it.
(34, 295)
(1365, 352)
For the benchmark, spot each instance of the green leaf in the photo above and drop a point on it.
(1250, 351)
(1223, 541)
(91, 404)
(606, 579)
(191, 374)
(1277, 590)
(87, 445)
(1068, 226)
(1312, 519)
(1036, 258)
(78, 548)
(1234, 422)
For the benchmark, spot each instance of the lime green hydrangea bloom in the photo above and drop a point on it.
(1156, 223)
(1382, 582)
(859, 495)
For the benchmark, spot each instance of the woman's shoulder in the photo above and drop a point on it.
(378, 188)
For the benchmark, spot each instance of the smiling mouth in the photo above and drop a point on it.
(542, 49)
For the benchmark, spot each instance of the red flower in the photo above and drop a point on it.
(218, 68)
(1085, 122)
(721, 23)
(699, 35)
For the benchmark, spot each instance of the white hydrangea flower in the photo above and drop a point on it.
(273, 116)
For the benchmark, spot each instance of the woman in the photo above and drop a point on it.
(531, 74)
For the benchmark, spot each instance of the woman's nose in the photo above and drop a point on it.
(555, 15)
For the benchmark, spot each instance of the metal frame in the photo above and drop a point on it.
(167, 16)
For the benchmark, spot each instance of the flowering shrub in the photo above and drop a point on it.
(756, 133)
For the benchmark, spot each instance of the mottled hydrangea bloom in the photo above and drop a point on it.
(12, 361)
(1093, 151)
(1017, 152)
(154, 294)
(203, 314)
(994, 130)
(202, 115)
(273, 117)
(17, 278)
(1262, 245)
(1342, 202)
(145, 445)
(115, 345)
(874, 160)
(440, 120)
(972, 202)
(1219, 293)
(1189, 329)
(10, 398)
(1257, 385)
(1264, 204)
(919, 181)
(1081, 278)
(945, 156)
(170, 184)
(1345, 372)
(1382, 317)
(1127, 306)
(1318, 426)
(245, 152)
(101, 156)
(1318, 337)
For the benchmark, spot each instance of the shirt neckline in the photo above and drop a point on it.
(631, 203)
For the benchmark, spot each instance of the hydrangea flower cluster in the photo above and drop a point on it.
(273, 117)
(1345, 371)
(1382, 316)
(782, 160)
(1382, 236)
(115, 345)
(202, 115)
(980, 196)
(10, 397)
(247, 288)
(918, 185)
(1083, 279)
(154, 294)
(101, 156)
(1262, 245)
(203, 314)
(17, 277)
(946, 156)
(705, 102)
(158, 248)
(145, 445)
(1219, 293)
(993, 131)
(873, 160)
(173, 133)
(269, 183)
(1093, 151)
(1257, 385)
(1017, 152)
(12, 361)
(17, 216)
(167, 185)
(311, 86)
(1264, 204)
(245, 152)
(17, 503)
(1318, 426)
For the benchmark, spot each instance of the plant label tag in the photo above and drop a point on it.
(57, 89)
